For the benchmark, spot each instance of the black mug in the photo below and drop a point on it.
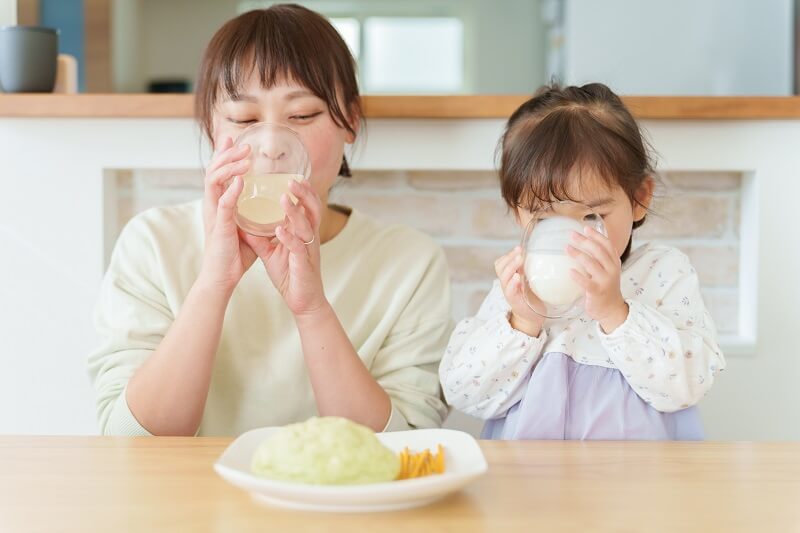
(28, 59)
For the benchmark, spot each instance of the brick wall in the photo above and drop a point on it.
(696, 211)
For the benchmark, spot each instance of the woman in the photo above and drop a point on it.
(210, 331)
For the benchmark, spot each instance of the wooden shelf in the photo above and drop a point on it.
(462, 106)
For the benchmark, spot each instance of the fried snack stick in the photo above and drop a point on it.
(414, 465)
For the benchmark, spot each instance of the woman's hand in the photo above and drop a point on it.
(604, 301)
(227, 254)
(522, 317)
(293, 259)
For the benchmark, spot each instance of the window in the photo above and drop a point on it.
(350, 30)
(415, 48)
(419, 54)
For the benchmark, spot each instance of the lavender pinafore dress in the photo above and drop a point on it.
(567, 400)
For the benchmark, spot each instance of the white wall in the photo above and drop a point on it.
(52, 245)
(681, 47)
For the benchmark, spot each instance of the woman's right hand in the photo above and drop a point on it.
(227, 256)
(522, 317)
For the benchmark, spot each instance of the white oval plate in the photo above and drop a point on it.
(464, 462)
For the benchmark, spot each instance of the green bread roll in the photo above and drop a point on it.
(326, 451)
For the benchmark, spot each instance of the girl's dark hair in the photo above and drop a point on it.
(564, 131)
(284, 41)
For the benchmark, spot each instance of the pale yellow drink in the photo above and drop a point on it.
(259, 202)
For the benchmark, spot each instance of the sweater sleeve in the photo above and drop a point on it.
(666, 349)
(405, 365)
(131, 316)
(487, 362)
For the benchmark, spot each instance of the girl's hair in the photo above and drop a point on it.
(564, 132)
(283, 42)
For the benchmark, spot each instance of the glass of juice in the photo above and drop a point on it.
(550, 290)
(277, 155)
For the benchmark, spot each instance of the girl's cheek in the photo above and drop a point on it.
(618, 234)
(621, 241)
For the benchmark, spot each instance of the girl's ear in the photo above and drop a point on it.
(644, 197)
(517, 217)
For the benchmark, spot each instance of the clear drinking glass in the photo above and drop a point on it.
(550, 290)
(277, 155)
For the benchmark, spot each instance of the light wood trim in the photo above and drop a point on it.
(96, 105)
(152, 483)
(456, 106)
(28, 12)
(714, 107)
(481, 106)
(97, 45)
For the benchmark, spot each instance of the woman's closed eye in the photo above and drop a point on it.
(304, 117)
(298, 118)
(241, 121)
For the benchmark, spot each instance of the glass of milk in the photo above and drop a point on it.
(546, 265)
(277, 155)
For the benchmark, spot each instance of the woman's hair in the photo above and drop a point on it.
(563, 133)
(283, 42)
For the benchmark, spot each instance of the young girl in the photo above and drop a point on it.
(208, 330)
(643, 351)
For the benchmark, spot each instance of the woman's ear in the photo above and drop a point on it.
(643, 198)
(354, 121)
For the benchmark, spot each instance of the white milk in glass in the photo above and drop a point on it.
(548, 275)
(547, 265)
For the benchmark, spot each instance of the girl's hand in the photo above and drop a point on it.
(292, 265)
(226, 256)
(522, 317)
(604, 301)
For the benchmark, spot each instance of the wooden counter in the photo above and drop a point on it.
(482, 106)
(167, 484)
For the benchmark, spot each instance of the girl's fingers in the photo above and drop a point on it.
(291, 241)
(309, 200)
(594, 236)
(584, 282)
(510, 269)
(516, 286)
(604, 241)
(512, 289)
(592, 265)
(594, 250)
(500, 264)
(522, 297)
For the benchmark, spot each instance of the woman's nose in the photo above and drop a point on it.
(273, 151)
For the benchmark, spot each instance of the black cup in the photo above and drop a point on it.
(28, 59)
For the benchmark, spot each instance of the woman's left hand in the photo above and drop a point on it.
(604, 301)
(292, 265)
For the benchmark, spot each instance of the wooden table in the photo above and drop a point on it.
(156, 484)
